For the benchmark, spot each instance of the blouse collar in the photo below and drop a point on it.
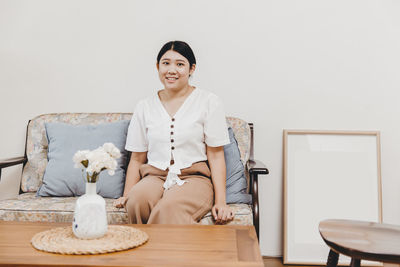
(182, 107)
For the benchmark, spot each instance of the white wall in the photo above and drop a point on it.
(307, 64)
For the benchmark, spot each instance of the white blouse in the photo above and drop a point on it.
(177, 142)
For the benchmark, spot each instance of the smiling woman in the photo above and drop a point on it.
(173, 70)
(175, 64)
(184, 55)
(176, 138)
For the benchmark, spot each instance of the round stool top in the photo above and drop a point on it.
(362, 240)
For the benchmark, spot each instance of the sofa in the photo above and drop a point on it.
(28, 207)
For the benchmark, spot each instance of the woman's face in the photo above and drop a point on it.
(174, 70)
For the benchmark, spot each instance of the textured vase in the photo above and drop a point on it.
(90, 216)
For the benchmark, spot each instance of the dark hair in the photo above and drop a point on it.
(180, 47)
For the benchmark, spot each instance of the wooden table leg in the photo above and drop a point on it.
(333, 259)
(355, 262)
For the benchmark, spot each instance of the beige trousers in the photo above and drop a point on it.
(148, 202)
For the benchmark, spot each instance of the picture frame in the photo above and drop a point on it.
(327, 175)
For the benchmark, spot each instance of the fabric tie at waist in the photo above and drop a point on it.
(172, 177)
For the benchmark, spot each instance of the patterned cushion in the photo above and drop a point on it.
(241, 129)
(37, 142)
(28, 207)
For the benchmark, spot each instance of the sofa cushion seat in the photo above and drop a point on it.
(28, 207)
(243, 215)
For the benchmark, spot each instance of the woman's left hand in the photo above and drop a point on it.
(222, 213)
(120, 202)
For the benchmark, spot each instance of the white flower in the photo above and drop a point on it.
(80, 155)
(112, 150)
(98, 160)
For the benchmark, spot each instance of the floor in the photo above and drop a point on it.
(277, 262)
(272, 262)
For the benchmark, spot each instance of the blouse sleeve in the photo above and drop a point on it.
(136, 140)
(215, 128)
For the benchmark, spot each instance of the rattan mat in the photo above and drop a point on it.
(62, 240)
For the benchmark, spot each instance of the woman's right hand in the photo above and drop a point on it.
(120, 202)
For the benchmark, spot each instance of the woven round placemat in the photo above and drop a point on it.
(63, 241)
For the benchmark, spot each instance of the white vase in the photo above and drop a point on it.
(90, 216)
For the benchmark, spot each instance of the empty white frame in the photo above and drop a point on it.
(327, 175)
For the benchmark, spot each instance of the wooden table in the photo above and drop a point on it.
(361, 241)
(168, 245)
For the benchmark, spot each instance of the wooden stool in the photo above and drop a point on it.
(361, 241)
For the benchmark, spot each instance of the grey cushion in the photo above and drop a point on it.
(236, 183)
(61, 178)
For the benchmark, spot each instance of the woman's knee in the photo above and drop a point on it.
(170, 212)
(145, 192)
(136, 199)
(166, 206)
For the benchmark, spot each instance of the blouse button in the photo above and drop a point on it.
(172, 126)
(173, 148)
(173, 119)
(171, 162)
(172, 133)
(172, 140)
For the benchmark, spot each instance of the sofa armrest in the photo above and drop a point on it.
(255, 168)
(4, 163)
